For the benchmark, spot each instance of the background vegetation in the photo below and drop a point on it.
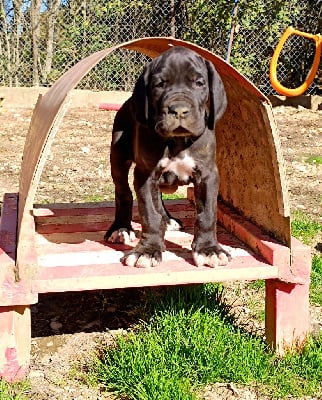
(40, 39)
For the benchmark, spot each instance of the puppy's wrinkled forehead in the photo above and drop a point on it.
(179, 60)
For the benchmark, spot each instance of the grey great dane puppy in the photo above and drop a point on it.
(167, 129)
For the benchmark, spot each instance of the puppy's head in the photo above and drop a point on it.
(179, 94)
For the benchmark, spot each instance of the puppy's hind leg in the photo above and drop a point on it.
(168, 185)
(172, 224)
(121, 230)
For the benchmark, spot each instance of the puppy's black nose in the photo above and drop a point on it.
(179, 110)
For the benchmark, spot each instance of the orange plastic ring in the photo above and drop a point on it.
(311, 75)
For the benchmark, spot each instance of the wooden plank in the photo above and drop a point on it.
(8, 226)
(12, 291)
(93, 215)
(91, 223)
(94, 241)
(273, 251)
(47, 210)
(87, 218)
(71, 228)
(178, 247)
(111, 276)
(81, 238)
(8, 239)
(99, 208)
(27, 263)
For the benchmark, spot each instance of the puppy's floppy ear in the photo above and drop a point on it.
(217, 96)
(140, 96)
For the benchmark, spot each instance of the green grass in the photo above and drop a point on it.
(94, 198)
(107, 194)
(316, 280)
(257, 285)
(15, 391)
(306, 230)
(314, 159)
(188, 343)
(173, 196)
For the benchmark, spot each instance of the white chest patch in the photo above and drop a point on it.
(182, 167)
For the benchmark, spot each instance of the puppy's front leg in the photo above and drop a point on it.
(148, 253)
(205, 247)
(121, 159)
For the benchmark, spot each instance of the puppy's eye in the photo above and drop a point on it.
(200, 83)
(159, 84)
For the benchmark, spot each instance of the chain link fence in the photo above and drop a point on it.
(41, 39)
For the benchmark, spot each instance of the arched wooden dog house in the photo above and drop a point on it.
(58, 248)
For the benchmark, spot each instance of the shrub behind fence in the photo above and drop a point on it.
(41, 39)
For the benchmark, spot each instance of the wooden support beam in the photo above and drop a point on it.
(287, 314)
(15, 342)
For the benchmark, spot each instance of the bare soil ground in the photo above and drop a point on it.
(67, 327)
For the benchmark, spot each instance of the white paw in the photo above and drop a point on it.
(122, 236)
(173, 225)
(212, 260)
(140, 261)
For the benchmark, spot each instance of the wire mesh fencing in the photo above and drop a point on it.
(41, 39)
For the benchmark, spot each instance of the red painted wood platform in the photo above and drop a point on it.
(71, 252)
(68, 253)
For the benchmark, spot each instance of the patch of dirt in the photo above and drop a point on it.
(67, 327)
(301, 138)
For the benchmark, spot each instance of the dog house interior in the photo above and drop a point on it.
(56, 247)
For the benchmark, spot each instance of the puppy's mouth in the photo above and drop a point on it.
(179, 131)
(166, 129)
